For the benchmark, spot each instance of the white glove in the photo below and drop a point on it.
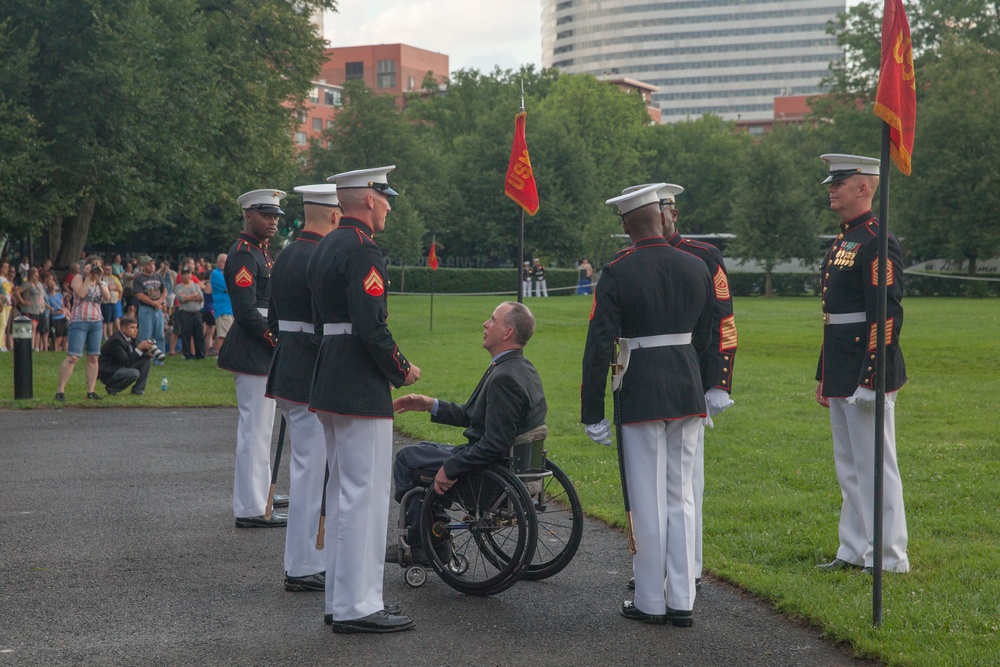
(707, 422)
(600, 432)
(717, 401)
(863, 397)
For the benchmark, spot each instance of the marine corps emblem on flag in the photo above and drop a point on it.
(374, 284)
(243, 278)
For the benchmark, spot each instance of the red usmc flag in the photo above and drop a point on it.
(432, 257)
(520, 183)
(896, 100)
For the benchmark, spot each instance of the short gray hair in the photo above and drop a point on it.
(521, 320)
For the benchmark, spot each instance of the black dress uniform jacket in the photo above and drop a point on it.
(295, 354)
(718, 373)
(507, 402)
(649, 290)
(850, 285)
(249, 345)
(353, 373)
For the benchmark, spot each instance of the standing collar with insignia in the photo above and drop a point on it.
(253, 240)
(359, 225)
(850, 225)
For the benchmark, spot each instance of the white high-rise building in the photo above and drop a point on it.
(727, 57)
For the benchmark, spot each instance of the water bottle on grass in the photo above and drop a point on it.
(163, 384)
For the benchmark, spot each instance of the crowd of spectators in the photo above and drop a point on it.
(169, 306)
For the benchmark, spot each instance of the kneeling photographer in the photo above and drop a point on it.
(123, 361)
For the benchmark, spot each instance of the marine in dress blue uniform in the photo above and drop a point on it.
(717, 375)
(846, 368)
(290, 313)
(656, 299)
(358, 364)
(247, 353)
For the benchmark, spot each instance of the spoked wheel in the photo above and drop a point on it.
(485, 508)
(560, 525)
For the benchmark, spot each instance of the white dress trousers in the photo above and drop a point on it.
(253, 445)
(698, 483)
(359, 451)
(853, 430)
(306, 470)
(526, 288)
(659, 465)
(541, 288)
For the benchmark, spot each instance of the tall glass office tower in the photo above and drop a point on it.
(727, 57)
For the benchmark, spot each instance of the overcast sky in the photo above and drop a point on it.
(474, 34)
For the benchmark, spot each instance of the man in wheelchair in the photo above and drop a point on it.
(507, 402)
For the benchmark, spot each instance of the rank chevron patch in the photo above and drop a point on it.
(374, 284)
(243, 278)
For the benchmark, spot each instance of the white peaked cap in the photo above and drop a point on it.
(322, 194)
(265, 201)
(843, 166)
(365, 178)
(636, 198)
(666, 193)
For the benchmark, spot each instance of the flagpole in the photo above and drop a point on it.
(433, 271)
(519, 264)
(880, 308)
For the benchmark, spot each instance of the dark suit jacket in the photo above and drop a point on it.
(508, 401)
(118, 352)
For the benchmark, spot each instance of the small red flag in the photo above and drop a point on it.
(896, 99)
(432, 257)
(520, 183)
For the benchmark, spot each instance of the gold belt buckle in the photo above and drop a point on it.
(826, 319)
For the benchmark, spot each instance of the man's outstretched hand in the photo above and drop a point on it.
(412, 402)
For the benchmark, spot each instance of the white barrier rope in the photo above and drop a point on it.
(949, 277)
(514, 292)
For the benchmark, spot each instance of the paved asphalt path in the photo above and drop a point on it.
(117, 547)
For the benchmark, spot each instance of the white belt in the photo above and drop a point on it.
(290, 326)
(336, 328)
(844, 318)
(663, 340)
(262, 311)
(626, 345)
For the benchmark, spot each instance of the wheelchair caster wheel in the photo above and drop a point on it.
(458, 564)
(416, 576)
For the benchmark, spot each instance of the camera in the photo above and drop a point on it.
(96, 270)
(155, 352)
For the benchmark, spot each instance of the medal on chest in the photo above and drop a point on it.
(845, 255)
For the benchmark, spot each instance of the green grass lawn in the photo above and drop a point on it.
(771, 500)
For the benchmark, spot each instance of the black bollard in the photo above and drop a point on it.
(21, 330)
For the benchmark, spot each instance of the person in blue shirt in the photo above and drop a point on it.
(220, 302)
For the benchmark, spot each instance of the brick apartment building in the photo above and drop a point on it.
(392, 69)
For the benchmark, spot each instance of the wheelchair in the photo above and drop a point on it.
(519, 518)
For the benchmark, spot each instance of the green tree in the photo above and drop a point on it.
(701, 156)
(772, 218)
(949, 207)
(152, 114)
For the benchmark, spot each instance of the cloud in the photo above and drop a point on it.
(475, 34)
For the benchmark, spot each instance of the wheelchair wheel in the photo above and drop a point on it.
(560, 525)
(485, 508)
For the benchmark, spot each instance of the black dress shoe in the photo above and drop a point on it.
(379, 622)
(679, 618)
(279, 501)
(697, 584)
(309, 582)
(276, 521)
(867, 569)
(393, 608)
(94, 396)
(629, 611)
(837, 565)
